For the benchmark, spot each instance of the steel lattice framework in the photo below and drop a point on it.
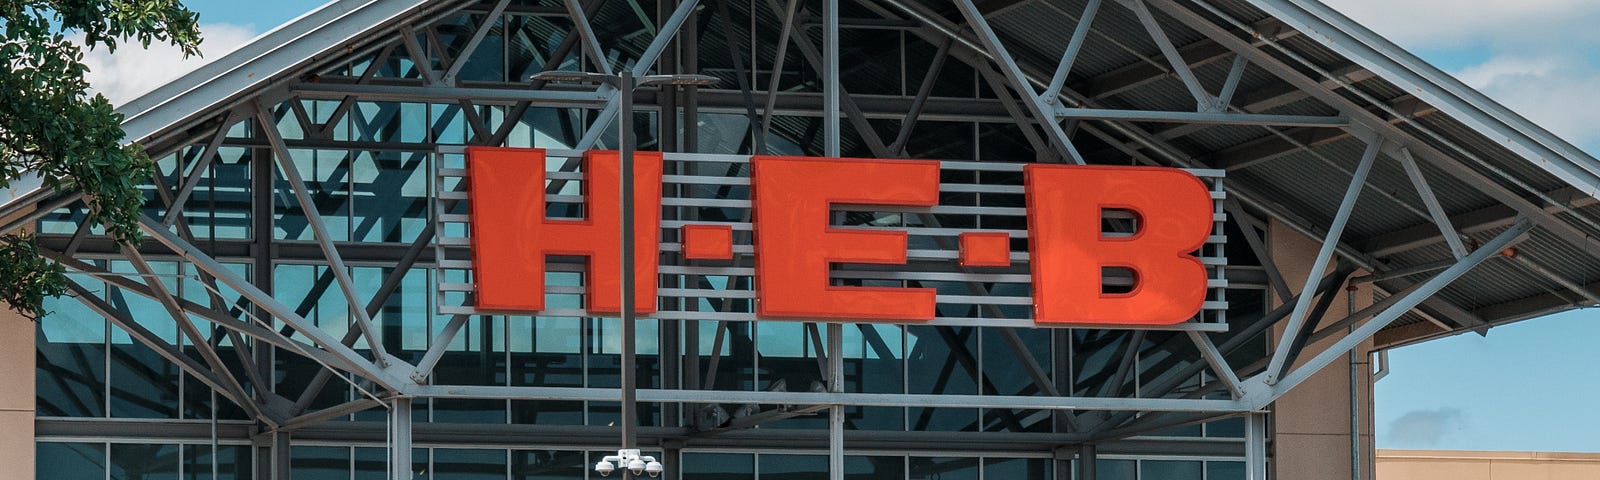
(231, 333)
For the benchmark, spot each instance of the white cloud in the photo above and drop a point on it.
(1556, 92)
(1425, 428)
(132, 71)
(1539, 58)
(1450, 23)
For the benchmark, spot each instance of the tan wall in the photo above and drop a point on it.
(17, 357)
(1462, 465)
(1311, 424)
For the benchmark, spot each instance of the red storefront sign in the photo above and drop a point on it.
(796, 246)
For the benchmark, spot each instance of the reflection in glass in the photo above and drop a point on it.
(233, 462)
(70, 378)
(70, 460)
(718, 466)
(1171, 469)
(140, 461)
(473, 464)
(874, 468)
(960, 468)
(1105, 469)
(319, 463)
(548, 465)
(792, 467)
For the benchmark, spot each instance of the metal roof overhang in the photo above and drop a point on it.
(1486, 164)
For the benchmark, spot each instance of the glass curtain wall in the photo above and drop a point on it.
(371, 167)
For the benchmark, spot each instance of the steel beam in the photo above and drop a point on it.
(1476, 221)
(1258, 246)
(830, 78)
(1005, 402)
(1216, 118)
(1261, 392)
(1219, 364)
(346, 358)
(308, 206)
(390, 283)
(330, 413)
(489, 20)
(1019, 81)
(1324, 255)
(1450, 163)
(1440, 218)
(198, 340)
(925, 90)
(1435, 87)
(1070, 55)
(167, 351)
(1231, 84)
(1180, 67)
(777, 71)
(203, 164)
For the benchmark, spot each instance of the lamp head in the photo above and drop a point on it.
(570, 76)
(679, 79)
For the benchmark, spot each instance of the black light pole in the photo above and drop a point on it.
(628, 458)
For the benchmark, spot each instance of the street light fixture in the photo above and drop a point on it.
(636, 464)
(625, 82)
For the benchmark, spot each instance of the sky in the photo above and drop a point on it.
(1533, 385)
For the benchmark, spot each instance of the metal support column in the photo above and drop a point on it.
(280, 456)
(400, 439)
(1255, 446)
(1086, 462)
(630, 412)
(830, 77)
(836, 412)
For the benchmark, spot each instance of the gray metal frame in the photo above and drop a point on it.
(1055, 113)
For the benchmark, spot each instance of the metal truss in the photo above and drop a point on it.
(1046, 100)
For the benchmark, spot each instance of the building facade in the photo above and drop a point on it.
(304, 306)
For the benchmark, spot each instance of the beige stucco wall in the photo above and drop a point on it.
(1462, 465)
(1311, 424)
(16, 393)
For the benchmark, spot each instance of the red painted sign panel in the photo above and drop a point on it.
(797, 246)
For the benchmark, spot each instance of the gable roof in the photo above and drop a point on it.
(1308, 59)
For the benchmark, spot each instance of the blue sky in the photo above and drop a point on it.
(1527, 386)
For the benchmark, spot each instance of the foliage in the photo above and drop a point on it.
(30, 277)
(51, 127)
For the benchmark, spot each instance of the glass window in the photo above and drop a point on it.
(1009, 468)
(70, 460)
(944, 468)
(232, 462)
(142, 461)
(546, 352)
(718, 466)
(945, 364)
(474, 464)
(320, 463)
(1170, 469)
(476, 357)
(874, 468)
(70, 378)
(391, 195)
(1105, 469)
(792, 467)
(548, 465)
(1225, 471)
(143, 384)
